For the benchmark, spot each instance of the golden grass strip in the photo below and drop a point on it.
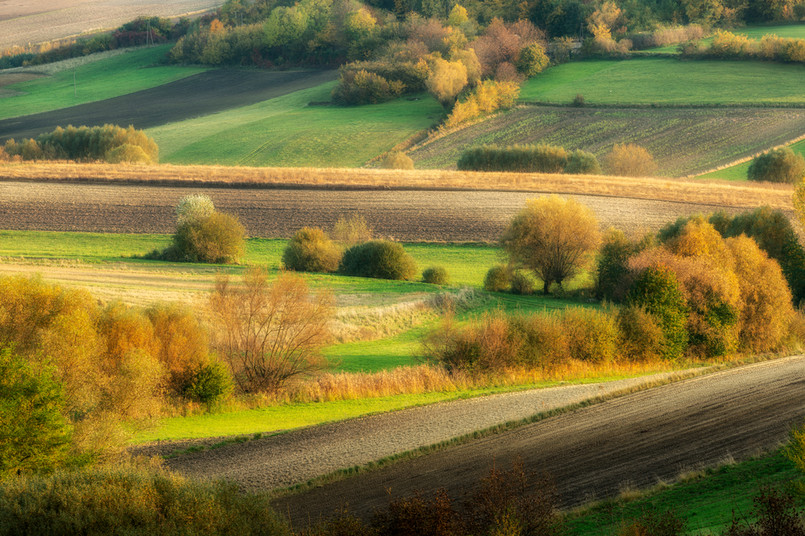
(716, 193)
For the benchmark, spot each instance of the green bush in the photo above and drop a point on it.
(521, 284)
(218, 238)
(364, 87)
(641, 336)
(380, 259)
(34, 434)
(777, 165)
(582, 163)
(658, 292)
(543, 339)
(311, 250)
(436, 275)
(613, 274)
(497, 279)
(209, 384)
(129, 501)
(519, 158)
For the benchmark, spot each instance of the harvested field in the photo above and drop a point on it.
(412, 215)
(683, 141)
(201, 94)
(591, 453)
(24, 22)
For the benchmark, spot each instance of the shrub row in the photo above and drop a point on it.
(108, 143)
(528, 159)
(731, 46)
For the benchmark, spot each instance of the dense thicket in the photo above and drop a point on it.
(379, 258)
(528, 159)
(109, 143)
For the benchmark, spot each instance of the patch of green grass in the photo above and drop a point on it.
(739, 172)
(668, 81)
(287, 131)
(131, 71)
(706, 503)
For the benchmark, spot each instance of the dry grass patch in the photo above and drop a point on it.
(686, 191)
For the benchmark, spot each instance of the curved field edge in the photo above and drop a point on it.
(737, 171)
(748, 195)
(683, 141)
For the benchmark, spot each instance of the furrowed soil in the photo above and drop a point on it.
(27, 21)
(591, 453)
(201, 94)
(683, 141)
(410, 215)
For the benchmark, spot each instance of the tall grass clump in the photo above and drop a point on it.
(381, 259)
(397, 160)
(131, 501)
(351, 230)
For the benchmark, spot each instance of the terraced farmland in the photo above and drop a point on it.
(683, 141)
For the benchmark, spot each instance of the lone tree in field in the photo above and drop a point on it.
(630, 160)
(777, 165)
(555, 238)
(205, 235)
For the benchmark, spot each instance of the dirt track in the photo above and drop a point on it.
(404, 215)
(591, 453)
(194, 96)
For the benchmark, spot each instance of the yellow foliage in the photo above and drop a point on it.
(630, 160)
(447, 79)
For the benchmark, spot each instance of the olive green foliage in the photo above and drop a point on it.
(520, 158)
(521, 284)
(397, 160)
(532, 60)
(34, 435)
(613, 275)
(209, 383)
(553, 237)
(497, 279)
(657, 291)
(799, 202)
(641, 336)
(311, 250)
(582, 163)
(592, 335)
(364, 87)
(436, 275)
(777, 165)
(109, 143)
(98, 502)
(381, 259)
(204, 235)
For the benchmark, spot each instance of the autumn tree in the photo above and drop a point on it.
(269, 333)
(778, 165)
(630, 160)
(553, 237)
(446, 80)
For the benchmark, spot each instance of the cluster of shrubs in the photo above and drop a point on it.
(731, 46)
(529, 159)
(108, 143)
(77, 370)
(662, 37)
(777, 165)
(203, 234)
(140, 31)
(312, 250)
(485, 98)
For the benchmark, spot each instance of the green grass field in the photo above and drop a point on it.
(110, 77)
(286, 131)
(706, 503)
(738, 173)
(682, 141)
(668, 81)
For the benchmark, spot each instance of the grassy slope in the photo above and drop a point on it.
(287, 132)
(682, 141)
(706, 503)
(738, 172)
(668, 81)
(103, 79)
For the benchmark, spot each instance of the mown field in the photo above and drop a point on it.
(668, 81)
(135, 70)
(683, 141)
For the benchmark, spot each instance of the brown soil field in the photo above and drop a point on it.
(25, 21)
(683, 141)
(197, 95)
(632, 441)
(411, 215)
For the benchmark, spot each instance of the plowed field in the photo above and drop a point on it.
(403, 215)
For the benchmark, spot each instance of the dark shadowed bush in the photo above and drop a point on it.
(613, 276)
(436, 275)
(311, 250)
(209, 384)
(379, 258)
(521, 284)
(582, 163)
(777, 165)
(130, 501)
(520, 158)
(497, 279)
(657, 291)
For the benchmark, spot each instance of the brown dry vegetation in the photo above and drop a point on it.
(687, 191)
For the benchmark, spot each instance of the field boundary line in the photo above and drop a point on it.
(747, 158)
